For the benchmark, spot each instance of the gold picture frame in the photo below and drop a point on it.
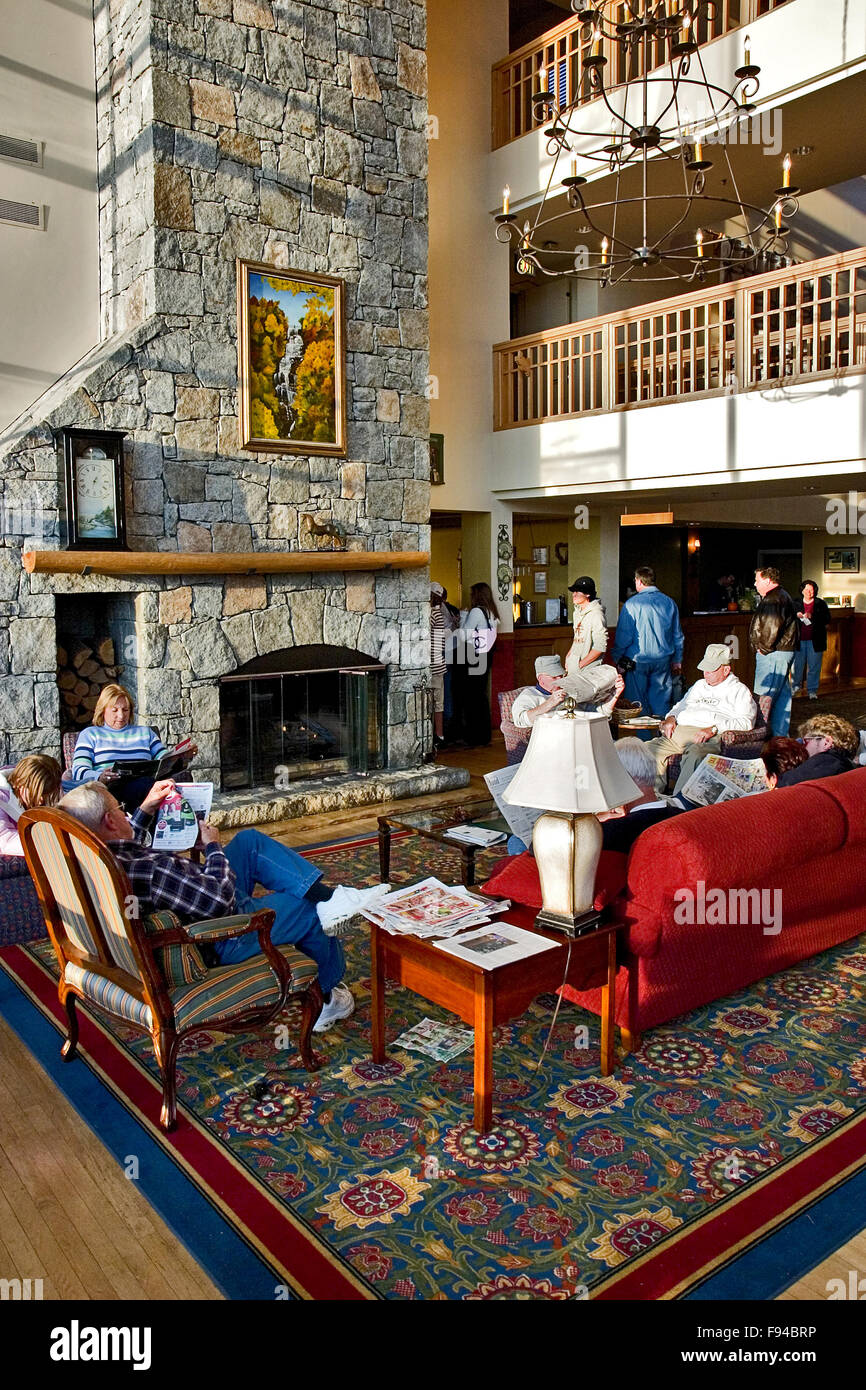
(291, 361)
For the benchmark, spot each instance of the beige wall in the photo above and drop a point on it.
(814, 543)
(49, 280)
(445, 561)
(468, 267)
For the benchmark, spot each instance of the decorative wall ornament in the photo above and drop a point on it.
(437, 460)
(291, 361)
(95, 509)
(505, 556)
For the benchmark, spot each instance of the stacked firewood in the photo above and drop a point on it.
(82, 671)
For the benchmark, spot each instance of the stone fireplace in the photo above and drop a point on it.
(290, 135)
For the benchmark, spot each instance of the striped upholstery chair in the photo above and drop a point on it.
(516, 740)
(150, 972)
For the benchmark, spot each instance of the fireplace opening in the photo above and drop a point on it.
(302, 712)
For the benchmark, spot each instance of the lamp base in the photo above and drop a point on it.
(569, 926)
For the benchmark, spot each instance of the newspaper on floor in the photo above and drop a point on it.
(520, 819)
(441, 1041)
(178, 816)
(430, 908)
(724, 779)
(477, 835)
(496, 945)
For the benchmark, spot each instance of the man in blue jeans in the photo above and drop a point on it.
(774, 639)
(307, 913)
(649, 633)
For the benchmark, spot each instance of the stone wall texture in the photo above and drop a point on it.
(284, 132)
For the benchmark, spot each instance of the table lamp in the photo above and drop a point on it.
(571, 770)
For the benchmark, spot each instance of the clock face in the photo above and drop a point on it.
(94, 491)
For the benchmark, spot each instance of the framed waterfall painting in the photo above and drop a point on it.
(291, 361)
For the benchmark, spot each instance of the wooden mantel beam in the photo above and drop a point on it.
(132, 562)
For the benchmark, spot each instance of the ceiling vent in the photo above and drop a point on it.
(18, 151)
(22, 214)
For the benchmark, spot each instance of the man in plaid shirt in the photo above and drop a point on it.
(224, 884)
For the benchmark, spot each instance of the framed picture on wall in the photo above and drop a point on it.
(541, 555)
(437, 460)
(291, 361)
(841, 559)
(539, 581)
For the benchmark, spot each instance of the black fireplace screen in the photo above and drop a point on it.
(280, 726)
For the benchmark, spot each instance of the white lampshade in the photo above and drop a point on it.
(571, 765)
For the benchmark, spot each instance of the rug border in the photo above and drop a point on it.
(253, 1218)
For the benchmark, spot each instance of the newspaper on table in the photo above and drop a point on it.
(498, 944)
(724, 779)
(477, 835)
(520, 819)
(430, 908)
(179, 813)
(441, 1041)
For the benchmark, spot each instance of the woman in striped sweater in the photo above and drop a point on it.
(114, 737)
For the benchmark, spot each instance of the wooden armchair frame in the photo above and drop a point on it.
(120, 945)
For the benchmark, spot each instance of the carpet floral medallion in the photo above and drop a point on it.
(726, 1123)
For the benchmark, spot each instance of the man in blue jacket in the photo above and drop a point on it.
(649, 633)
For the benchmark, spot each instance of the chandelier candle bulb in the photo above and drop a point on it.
(574, 166)
(778, 216)
(699, 150)
(506, 194)
(699, 242)
(786, 171)
(747, 51)
(605, 246)
(596, 42)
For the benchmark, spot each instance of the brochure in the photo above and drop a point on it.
(497, 945)
(176, 826)
(724, 779)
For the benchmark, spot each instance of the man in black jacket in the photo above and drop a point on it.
(832, 745)
(774, 639)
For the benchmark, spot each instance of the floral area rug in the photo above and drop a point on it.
(369, 1181)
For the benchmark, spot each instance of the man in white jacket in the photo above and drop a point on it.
(713, 705)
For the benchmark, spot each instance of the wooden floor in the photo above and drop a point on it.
(105, 1241)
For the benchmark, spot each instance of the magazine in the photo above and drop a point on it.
(430, 908)
(520, 819)
(477, 835)
(497, 945)
(171, 762)
(724, 779)
(179, 813)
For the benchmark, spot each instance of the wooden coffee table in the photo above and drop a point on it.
(434, 825)
(486, 998)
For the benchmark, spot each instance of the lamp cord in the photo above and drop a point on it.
(556, 1010)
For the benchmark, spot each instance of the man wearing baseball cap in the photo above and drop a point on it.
(548, 693)
(713, 705)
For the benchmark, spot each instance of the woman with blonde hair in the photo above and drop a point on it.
(35, 781)
(115, 738)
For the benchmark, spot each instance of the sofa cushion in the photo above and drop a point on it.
(518, 880)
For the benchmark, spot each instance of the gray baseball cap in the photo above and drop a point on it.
(549, 666)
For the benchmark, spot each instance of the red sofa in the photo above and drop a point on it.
(807, 841)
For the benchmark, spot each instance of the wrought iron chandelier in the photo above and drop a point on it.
(671, 114)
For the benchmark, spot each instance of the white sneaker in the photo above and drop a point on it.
(345, 903)
(340, 1005)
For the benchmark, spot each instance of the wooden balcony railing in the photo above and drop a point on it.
(804, 322)
(516, 77)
